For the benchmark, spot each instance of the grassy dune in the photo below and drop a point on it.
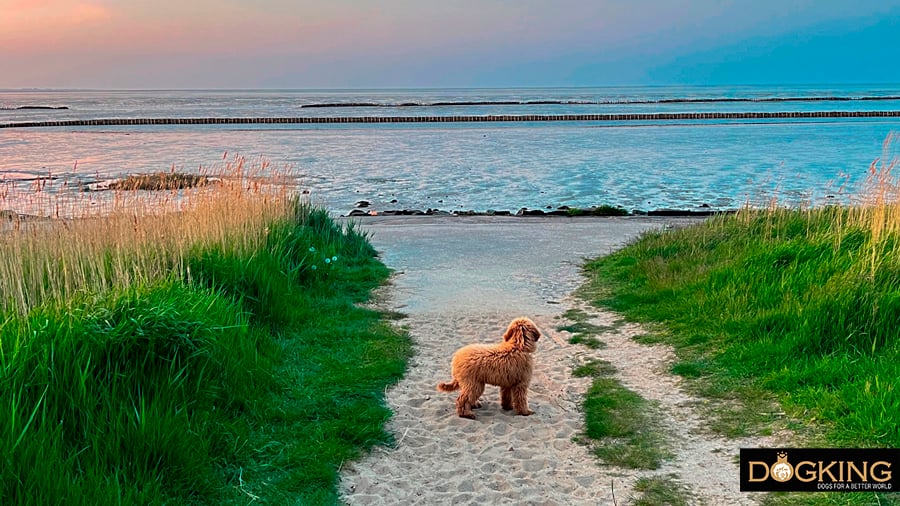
(800, 307)
(208, 352)
(788, 319)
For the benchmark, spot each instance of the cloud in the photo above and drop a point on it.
(26, 23)
(302, 43)
(42, 15)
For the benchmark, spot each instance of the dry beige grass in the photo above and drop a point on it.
(874, 208)
(91, 244)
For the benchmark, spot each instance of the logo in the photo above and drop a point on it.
(820, 469)
(781, 470)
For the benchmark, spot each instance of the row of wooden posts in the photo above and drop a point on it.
(652, 116)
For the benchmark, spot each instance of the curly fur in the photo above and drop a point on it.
(507, 365)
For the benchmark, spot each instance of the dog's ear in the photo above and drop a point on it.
(515, 333)
(533, 333)
(510, 332)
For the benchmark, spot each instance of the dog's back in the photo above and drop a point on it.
(496, 365)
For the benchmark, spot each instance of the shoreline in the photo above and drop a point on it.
(411, 222)
(10, 216)
(564, 212)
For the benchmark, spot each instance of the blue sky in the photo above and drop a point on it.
(447, 43)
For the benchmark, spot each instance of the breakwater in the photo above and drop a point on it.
(625, 101)
(303, 120)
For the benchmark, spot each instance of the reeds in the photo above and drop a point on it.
(879, 210)
(874, 210)
(127, 237)
(800, 303)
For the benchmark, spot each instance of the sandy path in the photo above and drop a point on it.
(461, 280)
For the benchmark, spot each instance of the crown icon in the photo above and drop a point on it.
(782, 470)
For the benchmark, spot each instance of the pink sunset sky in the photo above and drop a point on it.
(419, 43)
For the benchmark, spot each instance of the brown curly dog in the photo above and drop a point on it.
(507, 365)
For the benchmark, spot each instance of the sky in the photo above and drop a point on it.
(304, 44)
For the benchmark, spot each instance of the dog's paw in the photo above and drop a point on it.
(525, 413)
(476, 405)
(470, 416)
(506, 407)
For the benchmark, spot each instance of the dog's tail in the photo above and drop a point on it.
(448, 387)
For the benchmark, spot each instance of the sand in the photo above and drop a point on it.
(460, 281)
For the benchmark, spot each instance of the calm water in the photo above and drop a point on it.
(478, 166)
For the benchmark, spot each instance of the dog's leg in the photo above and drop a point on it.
(506, 398)
(468, 397)
(519, 394)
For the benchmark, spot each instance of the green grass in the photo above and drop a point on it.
(594, 369)
(622, 426)
(619, 424)
(830, 499)
(784, 318)
(247, 372)
(583, 332)
(799, 306)
(660, 491)
(603, 210)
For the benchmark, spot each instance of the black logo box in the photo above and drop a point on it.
(821, 469)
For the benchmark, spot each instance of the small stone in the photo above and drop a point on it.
(584, 481)
(362, 486)
(533, 465)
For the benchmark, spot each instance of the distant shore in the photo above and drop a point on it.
(316, 120)
(562, 211)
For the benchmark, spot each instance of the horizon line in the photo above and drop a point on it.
(436, 88)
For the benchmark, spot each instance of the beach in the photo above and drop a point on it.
(460, 281)
(257, 252)
(638, 148)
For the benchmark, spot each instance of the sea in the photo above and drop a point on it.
(473, 159)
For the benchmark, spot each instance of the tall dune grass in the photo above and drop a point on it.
(801, 305)
(132, 237)
(196, 346)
